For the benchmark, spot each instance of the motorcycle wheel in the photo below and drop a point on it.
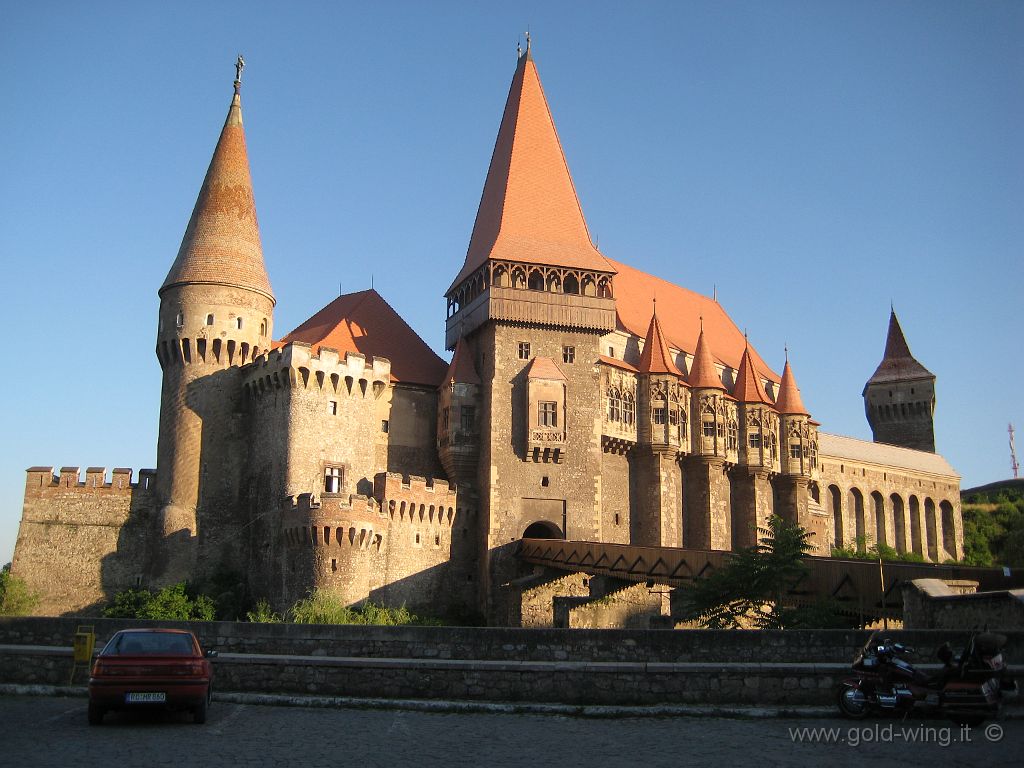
(852, 702)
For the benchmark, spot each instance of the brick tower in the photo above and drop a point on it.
(216, 314)
(899, 398)
(531, 303)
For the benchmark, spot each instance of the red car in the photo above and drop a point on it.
(151, 668)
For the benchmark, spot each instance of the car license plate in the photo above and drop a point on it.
(148, 698)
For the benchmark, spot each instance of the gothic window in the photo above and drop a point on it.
(209, 319)
(547, 413)
(536, 281)
(554, 283)
(734, 436)
(709, 429)
(628, 408)
(755, 439)
(794, 451)
(179, 320)
(445, 416)
(721, 429)
(568, 354)
(658, 414)
(518, 278)
(604, 288)
(524, 350)
(614, 405)
(673, 415)
(571, 284)
(333, 477)
(468, 415)
(814, 454)
(263, 328)
(682, 420)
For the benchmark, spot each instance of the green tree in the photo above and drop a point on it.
(171, 603)
(16, 599)
(749, 591)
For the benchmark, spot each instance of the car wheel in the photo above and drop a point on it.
(199, 713)
(95, 714)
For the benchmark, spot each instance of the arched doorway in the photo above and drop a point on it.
(542, 529)
(899, 522)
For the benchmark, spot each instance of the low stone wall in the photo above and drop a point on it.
(935, 604)
(510, 644)
(636, 667)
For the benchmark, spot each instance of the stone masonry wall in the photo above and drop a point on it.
(80, 541)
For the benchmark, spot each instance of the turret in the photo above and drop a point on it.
(663, 398)
(216, 314)
(899, 398)
(713, 412)
(799, 434)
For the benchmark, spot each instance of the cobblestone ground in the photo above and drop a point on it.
(42, 731)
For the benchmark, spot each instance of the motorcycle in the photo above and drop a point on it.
(968, 689)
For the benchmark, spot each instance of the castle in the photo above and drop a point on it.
(584, 400)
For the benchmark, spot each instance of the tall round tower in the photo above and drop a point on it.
(216, 314)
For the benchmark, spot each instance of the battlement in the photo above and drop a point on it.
(333, 522)
(414, 498)
(294, 365)
(224, 352)
(43, 480)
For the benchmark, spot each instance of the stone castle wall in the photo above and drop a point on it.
(82, 540)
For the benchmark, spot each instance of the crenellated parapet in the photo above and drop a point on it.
(408, 498)
(295, 366)
(42, 481)
(333, 522)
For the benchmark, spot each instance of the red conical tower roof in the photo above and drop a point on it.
(789, 401)
(898, 363)
(529, 211)
(703, 372)
(657, 357)
(222, 242)
(461, 370)
(748, 387)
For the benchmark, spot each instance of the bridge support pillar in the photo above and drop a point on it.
(706, 517)
(657, 520)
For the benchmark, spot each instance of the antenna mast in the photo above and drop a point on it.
(1013, 454)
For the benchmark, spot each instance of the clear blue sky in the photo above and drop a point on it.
(814, 160)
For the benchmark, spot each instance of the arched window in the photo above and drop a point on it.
(734, 435)
(604, 288)
(209, 319)
(614, 405)
(554, 283)
(519, 278)
(588, 286)
(571, 284)
(535, 281)
(500, 277)
(628, 408)
(238, 323)
(179, 320)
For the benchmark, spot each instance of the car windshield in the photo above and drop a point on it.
(153, 643)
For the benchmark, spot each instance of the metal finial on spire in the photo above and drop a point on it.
(239, 66)
(702, 323)
(527, 39)
(785, 349)
(519, 50)
(714, 289)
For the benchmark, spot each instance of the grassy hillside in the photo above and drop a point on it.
(994, 524)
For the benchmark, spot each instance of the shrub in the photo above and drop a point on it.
(262, 614)
(168, 604)
(322, 607)
(16, 599)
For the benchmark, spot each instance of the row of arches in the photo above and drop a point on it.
(185, 351)
(901, 411)
(911, 525)
(530, 278)
(410, 511)
(360, 538)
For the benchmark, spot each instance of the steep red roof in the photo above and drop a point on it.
(616, 363)
(789, 400)
(461, 368)
(222, 241)
(656, 357)
(748, 387)
(529, 211)
(544, 368)
(680, 312)
(363, 322)
(703, 372)
(898, 363)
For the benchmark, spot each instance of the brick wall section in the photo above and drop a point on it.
(81, 540)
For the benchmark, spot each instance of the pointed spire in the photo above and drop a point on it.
(789, 400)
(222, 242)
(657, 357)
(703, 372)
(529, 211)
(748, 387)
(461, 370)
(898, 363)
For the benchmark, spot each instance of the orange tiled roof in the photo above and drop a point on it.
(461, 369)
(616, 363)
(748, 387)
(680, 313)
(898, 363)
(789, 400)
(529, 211)
(656, 357)
(544, 368)
(703, 372)
(222, 242)
(363, 322)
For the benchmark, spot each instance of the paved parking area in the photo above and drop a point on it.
(52, 731)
